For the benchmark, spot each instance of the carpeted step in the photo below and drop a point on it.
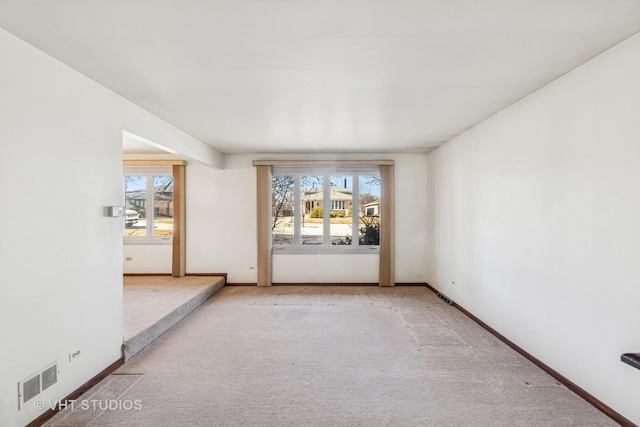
(139, 341)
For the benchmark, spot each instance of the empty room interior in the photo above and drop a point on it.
(406, 212)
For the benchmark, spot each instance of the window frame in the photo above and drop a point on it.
(326, 172)
(386, 274)
(149, 172)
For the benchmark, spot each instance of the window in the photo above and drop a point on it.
(325, 209)
(149, 205)
(265, 203)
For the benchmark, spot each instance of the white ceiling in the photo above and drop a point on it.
(322, 75)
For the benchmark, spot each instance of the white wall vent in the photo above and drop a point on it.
(36, 383)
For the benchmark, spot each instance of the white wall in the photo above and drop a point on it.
(221, 224)
(147, 259)
(60, 256)
(534, 224)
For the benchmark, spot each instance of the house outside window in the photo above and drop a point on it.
(149, 206)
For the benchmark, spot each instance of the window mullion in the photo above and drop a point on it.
(150, 204)
(326, 213)
(355, 210)
(297, 212)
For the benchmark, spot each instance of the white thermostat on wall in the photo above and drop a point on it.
(115, 211)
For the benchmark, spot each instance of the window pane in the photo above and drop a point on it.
(163, 205)
(312, 213)
(135, 209)
(341, 193)
(283, 210)
(369, 209)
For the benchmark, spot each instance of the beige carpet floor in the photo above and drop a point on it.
(330, 356)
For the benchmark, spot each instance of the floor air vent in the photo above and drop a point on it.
(445, 298)
(36, 383)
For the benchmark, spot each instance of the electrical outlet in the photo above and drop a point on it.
(129, 258)
(74, 355)
(252, 268)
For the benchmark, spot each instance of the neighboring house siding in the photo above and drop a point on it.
(341, 198)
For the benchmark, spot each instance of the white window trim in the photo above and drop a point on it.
(149, 172)
(326, 248)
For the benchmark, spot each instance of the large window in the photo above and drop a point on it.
(325, 209)
(149, 206)
(272, 207)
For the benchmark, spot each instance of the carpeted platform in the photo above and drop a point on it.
(153, 304)
(331, 356)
